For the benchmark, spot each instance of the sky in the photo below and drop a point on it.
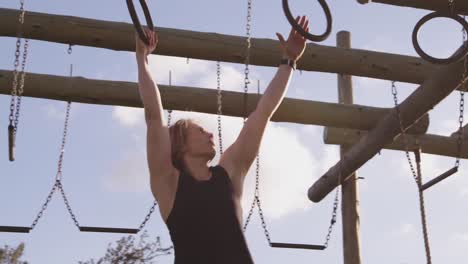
(105, 171)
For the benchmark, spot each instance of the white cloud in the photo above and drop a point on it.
(128, 116)
(129, 174)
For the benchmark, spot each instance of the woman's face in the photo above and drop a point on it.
(199, 141)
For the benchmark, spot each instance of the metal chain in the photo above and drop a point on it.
(44, 206)
(21, 85)
(462, 107)
(257, 199)
(15, 99)
(148, 216)
(155, 203)
(246, 90)
(62, 149)
(58, 177)
(417, 178)
(67, 204)
(334, 212)
(405, 143)
(220, 106)
(247, 56)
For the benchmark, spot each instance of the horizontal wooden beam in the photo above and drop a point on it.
(216, 47)
(430, 144)
(426, 97)
(82, 90)
(461, 6)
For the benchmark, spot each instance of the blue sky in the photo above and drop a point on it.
(105, 171)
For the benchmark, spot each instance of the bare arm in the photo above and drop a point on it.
(238, 158)
(158, 140)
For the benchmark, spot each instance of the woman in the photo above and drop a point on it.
(201, 205)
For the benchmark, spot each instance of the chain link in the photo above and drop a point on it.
(44, 206)
(220, 106)
(67, 204)
(58, 177)
(257, 200)
(460, 134)
(15, 102)
(247, 56)
(21, 85)
(334, 211)
(417, 177)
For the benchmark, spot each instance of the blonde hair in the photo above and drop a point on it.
(178, 135)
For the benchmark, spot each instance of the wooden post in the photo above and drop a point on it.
(349, 192)
(426, 97)
(201, 100)
(461, 6)
(430, 144)
(215, 47)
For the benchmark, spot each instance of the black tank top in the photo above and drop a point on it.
(203, 224)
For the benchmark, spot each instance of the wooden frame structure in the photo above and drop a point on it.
(361, 130)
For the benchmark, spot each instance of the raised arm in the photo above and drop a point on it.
(238, 158)
(158, 140)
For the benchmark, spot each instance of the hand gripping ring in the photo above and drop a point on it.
(136, 22)
(457, 56)
(309, 36)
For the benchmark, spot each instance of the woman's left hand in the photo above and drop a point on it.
(294, 47)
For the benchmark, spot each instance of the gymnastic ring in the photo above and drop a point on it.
(457, 56)
(136, 21)
(305, 34)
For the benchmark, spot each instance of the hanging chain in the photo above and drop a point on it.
(247, 56)
(417, 177)
(334, 212)
(220, 106)
(62, 149)
(15, 93)
(460, 134)
(246, 90)
(257, 199)
(155, 203)
(67, 203)
(21, 85)
(44, 206)
(58, 177)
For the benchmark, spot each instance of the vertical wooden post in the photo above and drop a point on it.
(349, 191)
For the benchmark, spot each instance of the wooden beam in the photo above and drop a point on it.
(216, 47)
(427, 96)
(461, 6)
(78, 89)
(430, 144)
(349, 192)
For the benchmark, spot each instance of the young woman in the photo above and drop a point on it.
(201, 205)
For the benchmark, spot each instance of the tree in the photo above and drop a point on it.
(128, 252)
(12, 255)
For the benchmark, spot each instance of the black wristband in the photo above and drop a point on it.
(289, 62)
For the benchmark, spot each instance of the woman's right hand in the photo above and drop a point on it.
(143, 50)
